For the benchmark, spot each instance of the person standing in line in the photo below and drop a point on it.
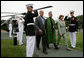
(10, 29)
(20, 21)
(30, 30)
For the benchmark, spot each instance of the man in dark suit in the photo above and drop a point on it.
(40, 31)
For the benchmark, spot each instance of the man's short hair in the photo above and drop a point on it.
(41, 11)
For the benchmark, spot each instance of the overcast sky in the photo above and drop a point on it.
(59, 7)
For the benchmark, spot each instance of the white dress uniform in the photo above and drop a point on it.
(10, 30)
(21, 28)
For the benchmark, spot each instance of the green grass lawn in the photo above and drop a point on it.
(9, 50)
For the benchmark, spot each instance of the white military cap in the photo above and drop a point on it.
(71, 11)
(28, 5)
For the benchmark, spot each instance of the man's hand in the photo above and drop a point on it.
(68, 28)
(35, 11)
(60, 34)
(53, 27)
(41, 32)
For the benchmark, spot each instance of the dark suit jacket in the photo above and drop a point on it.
(39, 25)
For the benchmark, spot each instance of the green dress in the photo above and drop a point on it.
(51, 35)
(62, 30)
(61, 27)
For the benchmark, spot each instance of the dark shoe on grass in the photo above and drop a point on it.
(38, 48)
(56, 47)
(45, 52)
(48, 47)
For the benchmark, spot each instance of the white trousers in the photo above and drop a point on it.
(30, 44)
(73, 39)
(17, 35)
(20, 37)
(10, 33)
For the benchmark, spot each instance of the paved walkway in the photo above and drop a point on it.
(62, 52)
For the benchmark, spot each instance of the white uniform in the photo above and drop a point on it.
(30, 44)
(73, 39)
(10, 30)
(21, 28)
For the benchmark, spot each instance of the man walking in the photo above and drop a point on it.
(50, 31)
(20, 21)
(73, 26)
(40, 31)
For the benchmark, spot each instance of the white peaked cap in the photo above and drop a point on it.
(71, 11)
(28, 5)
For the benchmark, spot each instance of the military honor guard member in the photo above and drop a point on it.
(30, 30)
(20, 21)
(10, 29)
(15, 31)
(50, 31)
(62, 31)
(73, 26)
(40, 31)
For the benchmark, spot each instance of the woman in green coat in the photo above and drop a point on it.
(62, 31)
(50, 31)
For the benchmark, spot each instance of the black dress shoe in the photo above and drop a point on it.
(45, 52)
(48, 47)
(56, 47)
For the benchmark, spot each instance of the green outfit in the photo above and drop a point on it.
(62, 30)
(50, 33)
